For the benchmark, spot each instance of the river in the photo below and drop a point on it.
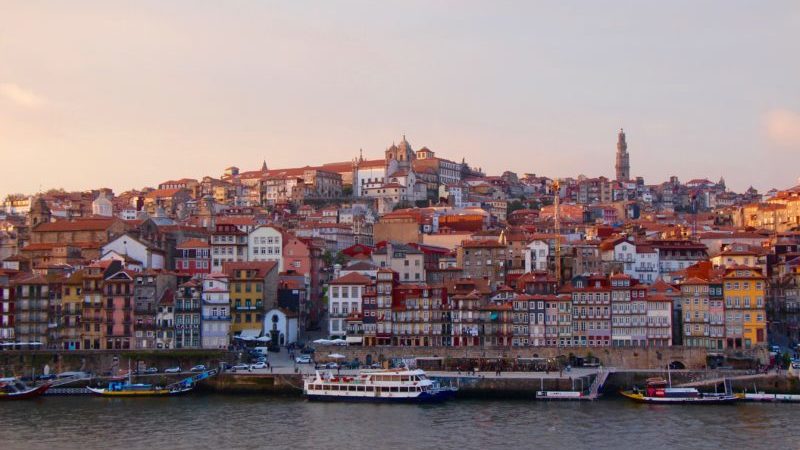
(221, 422)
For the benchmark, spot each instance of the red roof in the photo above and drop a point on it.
(352, 278)
(193, 243)
(162, 193)
(92, 224)
(263, 267)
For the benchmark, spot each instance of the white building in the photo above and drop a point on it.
(537, 253)
(284, 322)
(216, 313)
(101, 206)
(645, 264)
(265, 243)
(128, 246)
(344, 298)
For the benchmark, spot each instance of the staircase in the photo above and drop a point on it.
(599, 381)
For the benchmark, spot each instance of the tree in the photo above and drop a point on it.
(330, 258)
(402, 205)
(515, 206)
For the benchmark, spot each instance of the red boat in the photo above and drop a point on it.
(15, 389)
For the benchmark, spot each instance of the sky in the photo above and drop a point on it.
(130, 94)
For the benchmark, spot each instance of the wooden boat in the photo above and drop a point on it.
(15, 389)
(658, 391)
(130, 389)
(124, 389)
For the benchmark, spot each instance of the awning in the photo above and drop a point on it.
(249, 335)
(355, 339)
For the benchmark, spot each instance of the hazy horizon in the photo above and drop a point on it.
(99, 94)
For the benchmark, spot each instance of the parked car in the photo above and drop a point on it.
(303, 359)
(259, 365)
(151, 370)
(240, 367)
(331, 365)
(173, 370)
(198, 368)
(796, 365)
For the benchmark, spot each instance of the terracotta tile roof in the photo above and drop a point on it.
(236, 220)
(481, 244)
(262, 267)
(193, 243)
(352, 278)
(163, 193)
(76, 225)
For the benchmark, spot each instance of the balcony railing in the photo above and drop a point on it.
(219, 318)
(246, 308)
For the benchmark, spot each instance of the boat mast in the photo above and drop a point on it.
(669, 376)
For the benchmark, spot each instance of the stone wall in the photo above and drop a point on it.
(99, 362)
(621, 358)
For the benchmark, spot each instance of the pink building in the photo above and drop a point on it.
(119, 310)
(302, 257)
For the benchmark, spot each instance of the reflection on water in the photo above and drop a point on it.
(210, 421)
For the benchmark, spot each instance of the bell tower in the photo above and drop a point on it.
(622, 166)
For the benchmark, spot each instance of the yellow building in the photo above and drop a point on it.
(744, 289)
(71, 311)
(253, 290)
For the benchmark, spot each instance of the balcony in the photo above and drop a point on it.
(246, 308)
(218, 318)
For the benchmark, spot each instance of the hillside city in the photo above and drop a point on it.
(409, 249)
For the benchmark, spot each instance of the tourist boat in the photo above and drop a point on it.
(15, 389)
(657, 390)
(392, 385)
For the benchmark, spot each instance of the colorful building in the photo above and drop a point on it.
(193, 257)
(744, 291)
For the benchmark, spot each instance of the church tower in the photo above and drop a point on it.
(623, 165)
(39, 213)
(402, 153)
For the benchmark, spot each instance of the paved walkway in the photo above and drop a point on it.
(281, 363)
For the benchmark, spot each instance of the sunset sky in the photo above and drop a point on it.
(128, 94)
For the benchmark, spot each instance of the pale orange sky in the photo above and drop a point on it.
(96, 93)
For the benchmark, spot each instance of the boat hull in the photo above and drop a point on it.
(125, 394)
(424, 397)
(30, 393)
(703, 400)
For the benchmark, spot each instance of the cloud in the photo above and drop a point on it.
(21, 96)
(782, 127)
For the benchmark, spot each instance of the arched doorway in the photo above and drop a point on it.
(677, 365)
